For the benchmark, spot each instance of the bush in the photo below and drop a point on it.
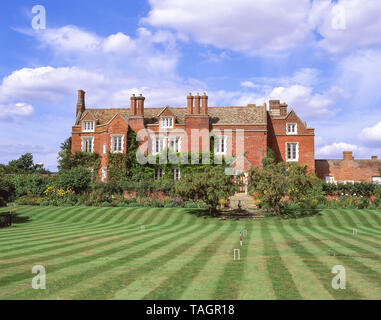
(31, 200)
(33, 184)
(7, 190)
(77, 179)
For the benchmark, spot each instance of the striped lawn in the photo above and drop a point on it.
(103, 253)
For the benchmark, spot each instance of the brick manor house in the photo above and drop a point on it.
(105, 130)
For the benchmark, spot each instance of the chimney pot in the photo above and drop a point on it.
(81, 102)
(347, 155)
(140, 110)
(197, 104)
(190, 104)
(204, 107)
(133, 105)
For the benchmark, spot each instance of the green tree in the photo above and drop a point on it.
(209, 184)
(277, 180)
(25, 164)
(7, 190)
(78, 179)
(65, 157)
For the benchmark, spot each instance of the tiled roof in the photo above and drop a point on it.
(219, 115)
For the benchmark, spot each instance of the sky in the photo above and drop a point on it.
(321, 57)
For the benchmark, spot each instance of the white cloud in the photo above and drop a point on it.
(19, 109)
(119, 43)
(336, 149)
(306, 103)
(243, 25)
(48, 83)
(371, 135)
(347, 24)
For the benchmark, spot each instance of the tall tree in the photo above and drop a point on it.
(65, 156)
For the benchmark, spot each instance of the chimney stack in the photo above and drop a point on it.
(133, 105)
(275, 107)
(374, 157)
(140, 111)
(204, 107)
(190, 103)
(347, 155)
(81, 102)
(197, 104)
(283, 109)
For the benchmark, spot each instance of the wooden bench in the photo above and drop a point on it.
(5, 220)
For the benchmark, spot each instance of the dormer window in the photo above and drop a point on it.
(292, 128)
(166, 122)
(88, 126)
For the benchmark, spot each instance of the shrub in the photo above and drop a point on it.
(31, 200)
(34, 184)
(77, 179)
(7, 190)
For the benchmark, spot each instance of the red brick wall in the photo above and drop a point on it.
(344, 170)
(277, 139)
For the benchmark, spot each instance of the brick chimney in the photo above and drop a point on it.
(374, 157)
(81, 102)
(197, 100)
(140, 110)
(275, 107)
(347, 155)
(133, 105)
(204, 106)
(190, 104)
(283, 109)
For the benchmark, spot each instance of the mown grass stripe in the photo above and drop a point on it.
(320, 270)
(63, 236)
(102, 235)
(55, 267)
(89, 273)
(281, 279)
(339, 231)
(354, 264)
(106, 288)
(175, 285)
(233, 270)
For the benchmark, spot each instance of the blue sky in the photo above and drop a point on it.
(322, 57)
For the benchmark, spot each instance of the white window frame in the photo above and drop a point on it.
(296, 159)
(104, 148)
(348, 181)
(218, 140)
(84, 143)
(291, 132)
(376, 180)
(115, 136)
(177, 144)
(166, 122)
(176, 174)
(158, 174)
(104, 174)
(88, 126)
(159, 142)
(329, 179)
